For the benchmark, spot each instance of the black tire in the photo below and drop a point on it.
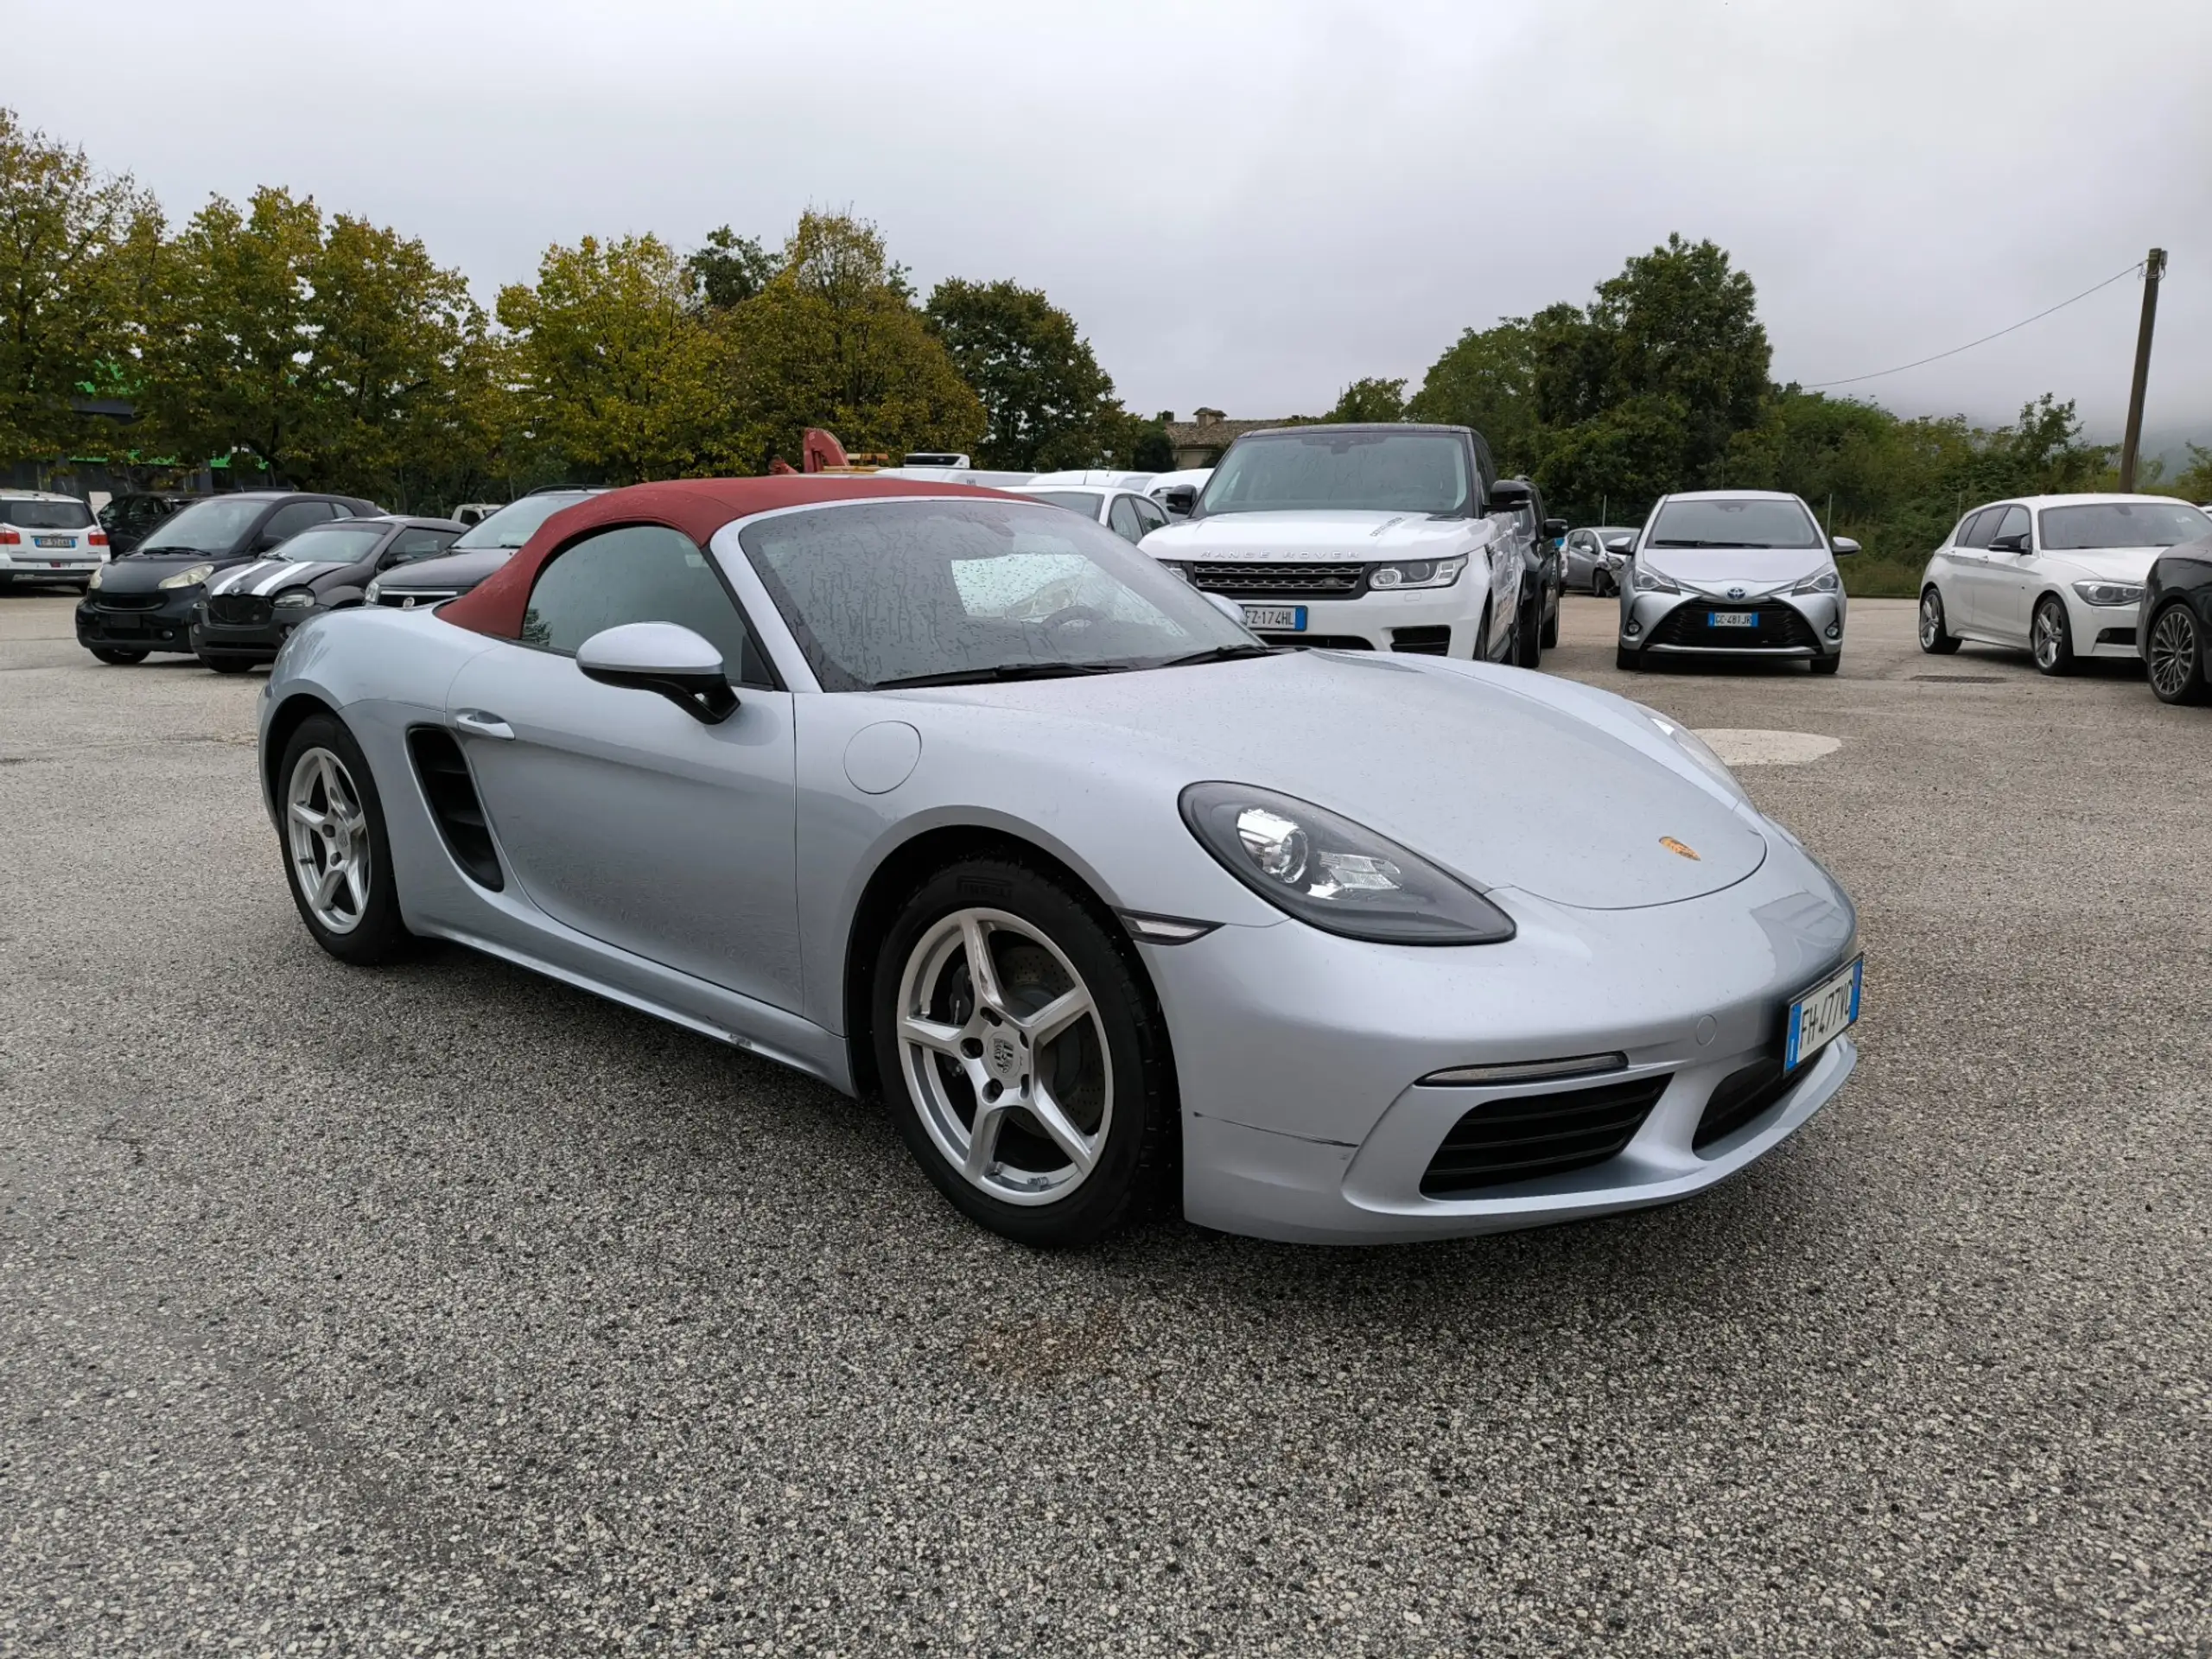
(227, 665)
(2050, 637)
(116, 658)
(1628, 659)
(1826, 665)
(1550, 639)
(376, 934)
(1935, 638)
(1529, 634)
(2173, 655)
(1115, 1069)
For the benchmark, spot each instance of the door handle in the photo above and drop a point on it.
(481, 724)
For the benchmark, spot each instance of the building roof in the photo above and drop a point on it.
(1211, 429)
(696, 506)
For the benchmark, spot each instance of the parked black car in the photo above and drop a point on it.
(142, 602)
(1543, 577)
(2176, 623)
(481, 551)
(249, 609)
(130, 517)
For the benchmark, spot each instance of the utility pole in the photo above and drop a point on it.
(2153, 267)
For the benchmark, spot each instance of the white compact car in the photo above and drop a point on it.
(2061, 574)
(1129, 513)
(1360, 538)
(49, 539)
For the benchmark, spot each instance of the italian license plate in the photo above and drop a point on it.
(1824, 1013)
(1733, 619)
(1276, 618)
(53, 541)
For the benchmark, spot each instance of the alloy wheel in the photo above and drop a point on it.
(1005, 1057)
(1931, 621)
(2049, 636)
(2171, 657)
(327, 835)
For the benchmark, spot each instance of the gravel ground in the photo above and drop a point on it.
(447, 1310)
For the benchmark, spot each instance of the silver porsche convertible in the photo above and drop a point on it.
(961, 800)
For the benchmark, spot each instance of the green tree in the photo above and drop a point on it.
(1486, 379)
(728, 268)
(1046, 402)
(2194, 480)
(835, 340)
(76, 251)
(1151, 450)
(617, 378)
(1370, 399)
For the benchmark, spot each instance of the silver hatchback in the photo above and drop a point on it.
(1733, 573)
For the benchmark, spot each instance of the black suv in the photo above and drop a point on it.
(129, 518)
(143, 601)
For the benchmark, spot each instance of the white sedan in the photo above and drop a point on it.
(2060, 574)
(1129, 513)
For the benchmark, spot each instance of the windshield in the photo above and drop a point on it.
(45, 515)
(512, 525)
(1330, 468)
(880, 592)
(1073, 500)
(211, 526)
(333, 543)
(1757, 524)
(2122, 523)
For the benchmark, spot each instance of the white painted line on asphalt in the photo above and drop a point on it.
(1740, 747)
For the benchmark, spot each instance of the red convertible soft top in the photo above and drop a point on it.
(697, 506)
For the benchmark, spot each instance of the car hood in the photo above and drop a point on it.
(1756, 570)
(459, 571)
(2108, 563)
(141, 573)
(1233, 537)
(1513, 781)
(266, 576)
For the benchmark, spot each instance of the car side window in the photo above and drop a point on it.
(637, 572)
(1150, 515)
(2014, 522)
(411, 544)
(1978, 528)
(295, 517)
(1121, 519)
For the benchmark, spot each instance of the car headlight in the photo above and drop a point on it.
(190, 578)
(295, 598)
(1328, 871)
(1420, 573)
(1698, 750)
(1826, 582)
(97, 575)
(2110, 592)
(1648, 580)
(1179, 572)
(369, 593)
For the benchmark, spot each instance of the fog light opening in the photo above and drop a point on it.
(1633, 628)
(1834, 633)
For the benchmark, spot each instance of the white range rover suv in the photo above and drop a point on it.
(1361, 537)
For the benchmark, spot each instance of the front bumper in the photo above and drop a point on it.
(1434, 622)
(1298, 1055)
(1791, 625)
(166, 625)
(258, 642)
(2106, 631)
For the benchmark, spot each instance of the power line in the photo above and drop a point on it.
(1819, 385)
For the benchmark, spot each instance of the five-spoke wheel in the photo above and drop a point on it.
(335, 851)
(2052, 637)
(1019, 1052)
(1935, 638)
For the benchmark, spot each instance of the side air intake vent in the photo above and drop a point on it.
(1520, 1139)
(452, 795)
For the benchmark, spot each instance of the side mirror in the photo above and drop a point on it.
(1555, 528)
(1508, 495)
(1179, 499)
(2016, 543)
(264, 542)
(1228, 607)
(1844, 546)
(662, 656)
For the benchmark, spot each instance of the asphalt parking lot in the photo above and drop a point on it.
(445, 1310)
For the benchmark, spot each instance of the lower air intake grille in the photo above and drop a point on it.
(1520, 1139)
(451, 793)
(236, 608)
(1780, 628)
(1428, 642)
(1741, 1096)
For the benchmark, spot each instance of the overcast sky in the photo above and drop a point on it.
(1248, 204)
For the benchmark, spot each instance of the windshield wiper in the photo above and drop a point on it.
(1224, 654)
(1764, 547)
(1004, 671)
